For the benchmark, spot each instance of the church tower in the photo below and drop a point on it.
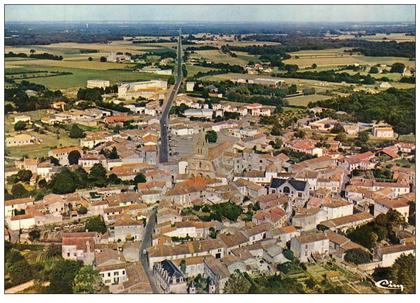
(201, 147)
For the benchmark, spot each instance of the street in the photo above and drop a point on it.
(164, 120)
(145, 244)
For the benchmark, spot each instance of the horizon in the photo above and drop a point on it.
(215, 13)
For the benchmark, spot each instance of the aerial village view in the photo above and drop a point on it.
(209, 155)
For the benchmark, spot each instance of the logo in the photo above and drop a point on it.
(385, 284)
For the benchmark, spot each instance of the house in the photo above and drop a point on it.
(285, 234)
(233, 240)
(388, 254)
(218, 274)
(21, 222)
(79, 246)
(20, 140)
(249, 189)
(214, 247)
(190, 86)
(152, 89)
(257, 232)
(98, 83)
(113, 274)
(383, 132)
(295, 189)
(307, 245)
(308, 218)
(305, 146)
(275, 216)
(339, 244)
(337, 208)
(17, 205)
(62, 154)
(21, 118)
(169, 278)
(205, 113)
(344, 223)
(383, 205)
(126, 228)
(359, 161)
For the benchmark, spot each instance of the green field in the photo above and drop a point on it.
(80, 76)
(305, 100)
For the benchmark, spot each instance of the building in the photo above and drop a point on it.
(146, 89)
(98, 83)
(21, 118)
(20, 140)
(126, 228)
(383, 132)
(306, 246)
(118, 57)
(79, 246)
(388, 254)
(169, 278)
(190, 86)
(62, 154)
(383, 205)
(293, 188)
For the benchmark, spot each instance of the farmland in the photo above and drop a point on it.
(337, 57)
(305, 100)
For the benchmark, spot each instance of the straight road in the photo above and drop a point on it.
(145, 244)
(164, 120)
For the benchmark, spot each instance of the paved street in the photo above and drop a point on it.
(164, 120)
(145, 244)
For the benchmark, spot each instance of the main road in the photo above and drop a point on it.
(164, 119)
(145, 244)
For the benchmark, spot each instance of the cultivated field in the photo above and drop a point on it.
(337, 57)
(398, 37)
(217, 56)
(305, 100)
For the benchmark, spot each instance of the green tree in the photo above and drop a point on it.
(24, 175)
(397, 68)
(363, 137)
(96, 224)
(237, 284)
(102, 59)
(113, 179)
(62, 276)
(211, 136)
(20, 125)
(19, 272)
(374, 70)
(139, 178)
(97, 175)
(357, 256)
(87, 281)
(76, 132)
(403, 271)
(19, 191)
(34, 234)
(63, 182)
(82, 210)
(74, 157)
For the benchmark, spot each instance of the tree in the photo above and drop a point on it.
(374, 70)
(34, 234)
(87, 281)
(403, 271)
(357, 256)
(314, 66)
(97, 175)
(82, 210)
(76, 132)
(363, 137)
(63, 182)
(278, 143)
(24, 175)
(397, 68)
(90, 59)
(211, 136)
(337, 128)
(237, 284)
(113, 179)
(20, 125)
(276, 129)
(102, 59)
(139, 178)
(183, 266)
(73, 157)
(19, 272)
(96, 224)
(62, 276)
(19, 191)
(300, 134)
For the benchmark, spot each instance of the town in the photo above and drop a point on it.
(208, 163)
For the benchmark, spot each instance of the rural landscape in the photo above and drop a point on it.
(239, 157)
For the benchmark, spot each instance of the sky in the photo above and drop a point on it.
(212, 13)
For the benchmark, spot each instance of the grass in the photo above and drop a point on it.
(337, 57)
(79, 76)
(305, 100)
(217, 56)
(194, 69)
